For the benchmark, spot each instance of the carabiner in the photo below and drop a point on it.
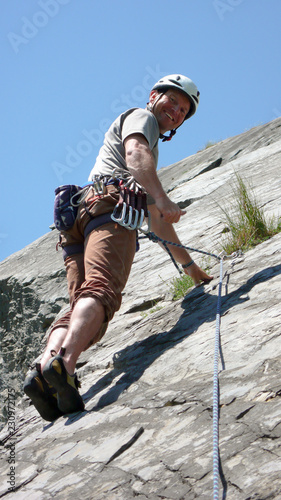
(99, 187)
(141, 218)
(122, 213)
(146, 229)
(136, 220)
(126, 221)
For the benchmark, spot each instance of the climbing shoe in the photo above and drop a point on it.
(42, 395)
(69, 399)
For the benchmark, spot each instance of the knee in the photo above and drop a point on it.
(90, 307)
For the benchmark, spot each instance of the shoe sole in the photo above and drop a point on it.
(69, 399)
(45, 404)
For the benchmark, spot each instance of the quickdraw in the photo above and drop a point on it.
(131, 209)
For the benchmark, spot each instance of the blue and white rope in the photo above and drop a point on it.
(153, 237)
(216, 393)
(156, 239)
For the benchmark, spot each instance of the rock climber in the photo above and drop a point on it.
(98, 252)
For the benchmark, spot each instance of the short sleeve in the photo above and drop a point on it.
(141, 121)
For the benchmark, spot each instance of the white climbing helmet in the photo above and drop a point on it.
(183, 84)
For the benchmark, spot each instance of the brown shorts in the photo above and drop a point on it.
(101, 262)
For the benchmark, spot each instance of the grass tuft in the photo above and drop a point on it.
(180, 286)
(246, 225)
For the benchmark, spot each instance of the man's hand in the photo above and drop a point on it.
(166, 231)
(198, 275)
(169, 210)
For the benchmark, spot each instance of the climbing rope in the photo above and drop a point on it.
(216, 393)
(216, 465)
(156, 239)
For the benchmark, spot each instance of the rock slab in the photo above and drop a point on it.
(148, 385)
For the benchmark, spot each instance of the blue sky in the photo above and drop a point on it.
(70, 67)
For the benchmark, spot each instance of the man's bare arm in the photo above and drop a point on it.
(167, 232)
(141, 164)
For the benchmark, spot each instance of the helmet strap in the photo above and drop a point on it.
(151, 107)
(168, 137)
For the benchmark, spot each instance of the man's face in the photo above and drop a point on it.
(170, 110)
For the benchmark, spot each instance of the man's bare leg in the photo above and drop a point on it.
(86, 321)
(54, 344)
(84, 328)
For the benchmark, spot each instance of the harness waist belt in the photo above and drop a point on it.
(97, 222)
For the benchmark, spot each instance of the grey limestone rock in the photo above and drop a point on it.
(148, 385)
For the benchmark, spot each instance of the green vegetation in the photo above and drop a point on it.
(246, 225)
(154, 309)
(180, 286)
(208, 145)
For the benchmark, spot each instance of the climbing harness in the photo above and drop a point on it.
(130, 211)
(217, 350)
